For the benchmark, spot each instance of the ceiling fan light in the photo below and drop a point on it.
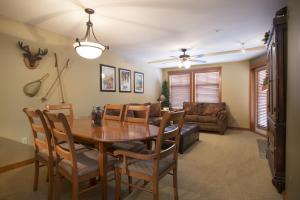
(179, 64)
(187, 64)
(243, 50)
(89, 50)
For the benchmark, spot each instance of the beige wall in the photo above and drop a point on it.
(235, 90)
(293, 103)
(80, 81)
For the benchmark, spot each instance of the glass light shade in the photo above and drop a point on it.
(179, 64)
(89, 50)
(187, 64)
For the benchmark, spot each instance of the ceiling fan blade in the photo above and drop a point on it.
(198, 56)
(233, 51)
(198, 61)
(163, 61)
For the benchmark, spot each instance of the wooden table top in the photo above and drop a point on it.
(112, 131)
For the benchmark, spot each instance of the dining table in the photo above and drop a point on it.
(104, 135)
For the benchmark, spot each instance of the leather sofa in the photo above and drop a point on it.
(208, 116)
(155, 115)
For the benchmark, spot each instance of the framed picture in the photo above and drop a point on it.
(138, 82)
(124, 80)
(107, 78)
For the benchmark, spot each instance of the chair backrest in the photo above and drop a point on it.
(40, 130)
(137, 113)
(113, 112)
(169, 133)
(62, 108)
(61, 132)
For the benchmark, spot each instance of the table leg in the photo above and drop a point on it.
(103, 171)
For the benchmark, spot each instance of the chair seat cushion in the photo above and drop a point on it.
(146, 167)
(135, 146)
(87, 162)
(44, 155)
(65, 145)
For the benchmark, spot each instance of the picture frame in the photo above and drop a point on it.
(138, 82)
(124, 80)
(107, 78)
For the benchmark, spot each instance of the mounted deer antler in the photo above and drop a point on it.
(32, 60)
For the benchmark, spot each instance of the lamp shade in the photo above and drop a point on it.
(88, 50)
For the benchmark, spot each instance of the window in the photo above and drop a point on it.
(200, 85)
(179, 89)
(261, 99)
(207, 87)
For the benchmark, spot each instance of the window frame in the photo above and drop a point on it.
(192, 73)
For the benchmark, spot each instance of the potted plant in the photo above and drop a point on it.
(265, 84)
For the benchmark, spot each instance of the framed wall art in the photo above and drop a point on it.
(124, 80)
(138, 82)
(107, 78)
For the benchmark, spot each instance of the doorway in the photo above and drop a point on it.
(261, 100)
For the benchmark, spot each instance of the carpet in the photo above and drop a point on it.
(220, 167)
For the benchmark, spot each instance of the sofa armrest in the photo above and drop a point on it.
(222, 115)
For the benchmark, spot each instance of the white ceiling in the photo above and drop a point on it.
(148, 30)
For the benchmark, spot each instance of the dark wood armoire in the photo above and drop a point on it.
(277, 66)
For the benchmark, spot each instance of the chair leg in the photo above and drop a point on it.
(47, 177)
(129, 182)
(36, 174)
(75, 190)
(175, 183)
(50, 183)
(155, 190)
(118, 185)
(57, 185)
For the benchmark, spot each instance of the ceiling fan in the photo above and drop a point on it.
(183, 60)
(186, 60)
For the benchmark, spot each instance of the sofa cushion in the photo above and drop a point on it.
(200, 118)
(191, 118)
(193, 108)
(213, 108)
(155, 121)
(155, 110)
(189, 108)
(207, 119)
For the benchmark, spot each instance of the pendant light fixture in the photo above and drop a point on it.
(85, 47)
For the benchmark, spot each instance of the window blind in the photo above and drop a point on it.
(207, 86)
(261, 100)
(179, 89)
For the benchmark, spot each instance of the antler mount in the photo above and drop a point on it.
(32, 59)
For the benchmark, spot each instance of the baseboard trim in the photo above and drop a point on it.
(284, 195)
(239, 128)
(16, 165)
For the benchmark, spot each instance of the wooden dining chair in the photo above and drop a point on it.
(113, 112)
(43, 151)
(134, 114)
(74, 166)
(65, 108)
(151, 166)
(137, 113)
